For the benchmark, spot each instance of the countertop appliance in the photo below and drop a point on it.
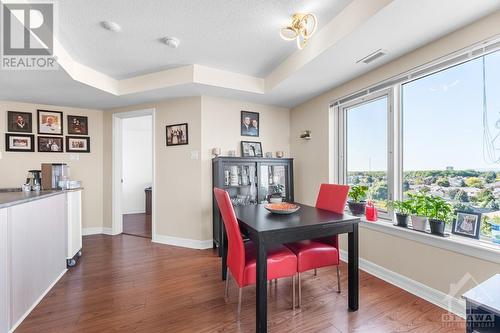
(33, 179)
(52, 173)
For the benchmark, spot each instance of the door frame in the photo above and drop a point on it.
(117, 169)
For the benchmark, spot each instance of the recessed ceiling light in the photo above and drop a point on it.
(111, 26)
(171, 42)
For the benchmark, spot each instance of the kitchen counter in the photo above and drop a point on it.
(11, 197)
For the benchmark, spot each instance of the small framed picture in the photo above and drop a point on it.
(50, 144)
(177, 134)
(78, 125)
(467, 224)
(249, 123)
(77, 144)
(50, 122)
(19, 142)
(19, 122)
(249, 148)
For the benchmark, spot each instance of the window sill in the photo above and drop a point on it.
(475, 248)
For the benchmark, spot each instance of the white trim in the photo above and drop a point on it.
(470, 247)
(97, 231)
(183, 242)
(436, 297)
(135, 212)
(13, 328)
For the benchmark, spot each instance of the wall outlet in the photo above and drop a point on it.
(195, 155)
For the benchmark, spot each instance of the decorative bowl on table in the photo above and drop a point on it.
(282, 208)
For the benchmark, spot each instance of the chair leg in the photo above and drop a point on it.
(300, 291)
(226, 290)
(315, 272)
(293, 292)
(239, 304)
(338, 279)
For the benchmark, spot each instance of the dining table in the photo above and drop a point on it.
(266, 229)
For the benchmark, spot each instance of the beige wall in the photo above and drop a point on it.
(88, 169)
(434, 267)
(220, 128)
(184, 185)
(178, 177)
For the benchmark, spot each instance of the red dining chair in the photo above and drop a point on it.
(241, 256)
(322, 252)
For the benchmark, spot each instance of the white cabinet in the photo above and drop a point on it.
(37, 252)
(74, 225)
(4, 283)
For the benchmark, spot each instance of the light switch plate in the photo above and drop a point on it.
(74, 157)
(195, 155)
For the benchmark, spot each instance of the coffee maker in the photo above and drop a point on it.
(34, 180)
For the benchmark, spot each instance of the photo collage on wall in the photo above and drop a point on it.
(50, 130)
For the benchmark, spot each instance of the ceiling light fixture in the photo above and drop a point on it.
(171, 42)
(303, 26)
(111, 26)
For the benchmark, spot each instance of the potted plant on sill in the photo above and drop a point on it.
(439, 214)
(402, 210)
(419, 203)
(357, 204)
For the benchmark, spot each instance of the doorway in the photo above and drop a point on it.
(133, 173)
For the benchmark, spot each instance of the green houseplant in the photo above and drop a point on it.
(419, 209)
(357, 194)
(439, 213)
(402, 209)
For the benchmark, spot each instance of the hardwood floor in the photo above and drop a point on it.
(128, 284)
(137, 225)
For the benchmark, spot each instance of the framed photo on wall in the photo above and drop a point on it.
(50, 122)
(249, 123)
(177, 134)
(50, 144)
(19, 142)
(466, 224)
(77, 144)
(252, 149)
(78, 125)
(19, 122)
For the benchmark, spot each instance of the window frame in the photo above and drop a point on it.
(340, 123)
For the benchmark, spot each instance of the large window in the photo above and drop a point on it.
(366, 146)
(445, 132)
(451, 136)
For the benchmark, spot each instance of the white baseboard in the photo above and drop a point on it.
(437, 297)
(183, 242)
(97, 231)
(135, 212)
(37, 301)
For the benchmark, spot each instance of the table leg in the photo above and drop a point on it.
(223, 247)
(353, 278)
(261, 302)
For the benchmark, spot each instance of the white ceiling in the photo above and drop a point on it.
(244, 38)
(235, 35)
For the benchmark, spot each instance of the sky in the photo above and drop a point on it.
(442, 121)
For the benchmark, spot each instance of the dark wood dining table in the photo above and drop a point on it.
(266, 229)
